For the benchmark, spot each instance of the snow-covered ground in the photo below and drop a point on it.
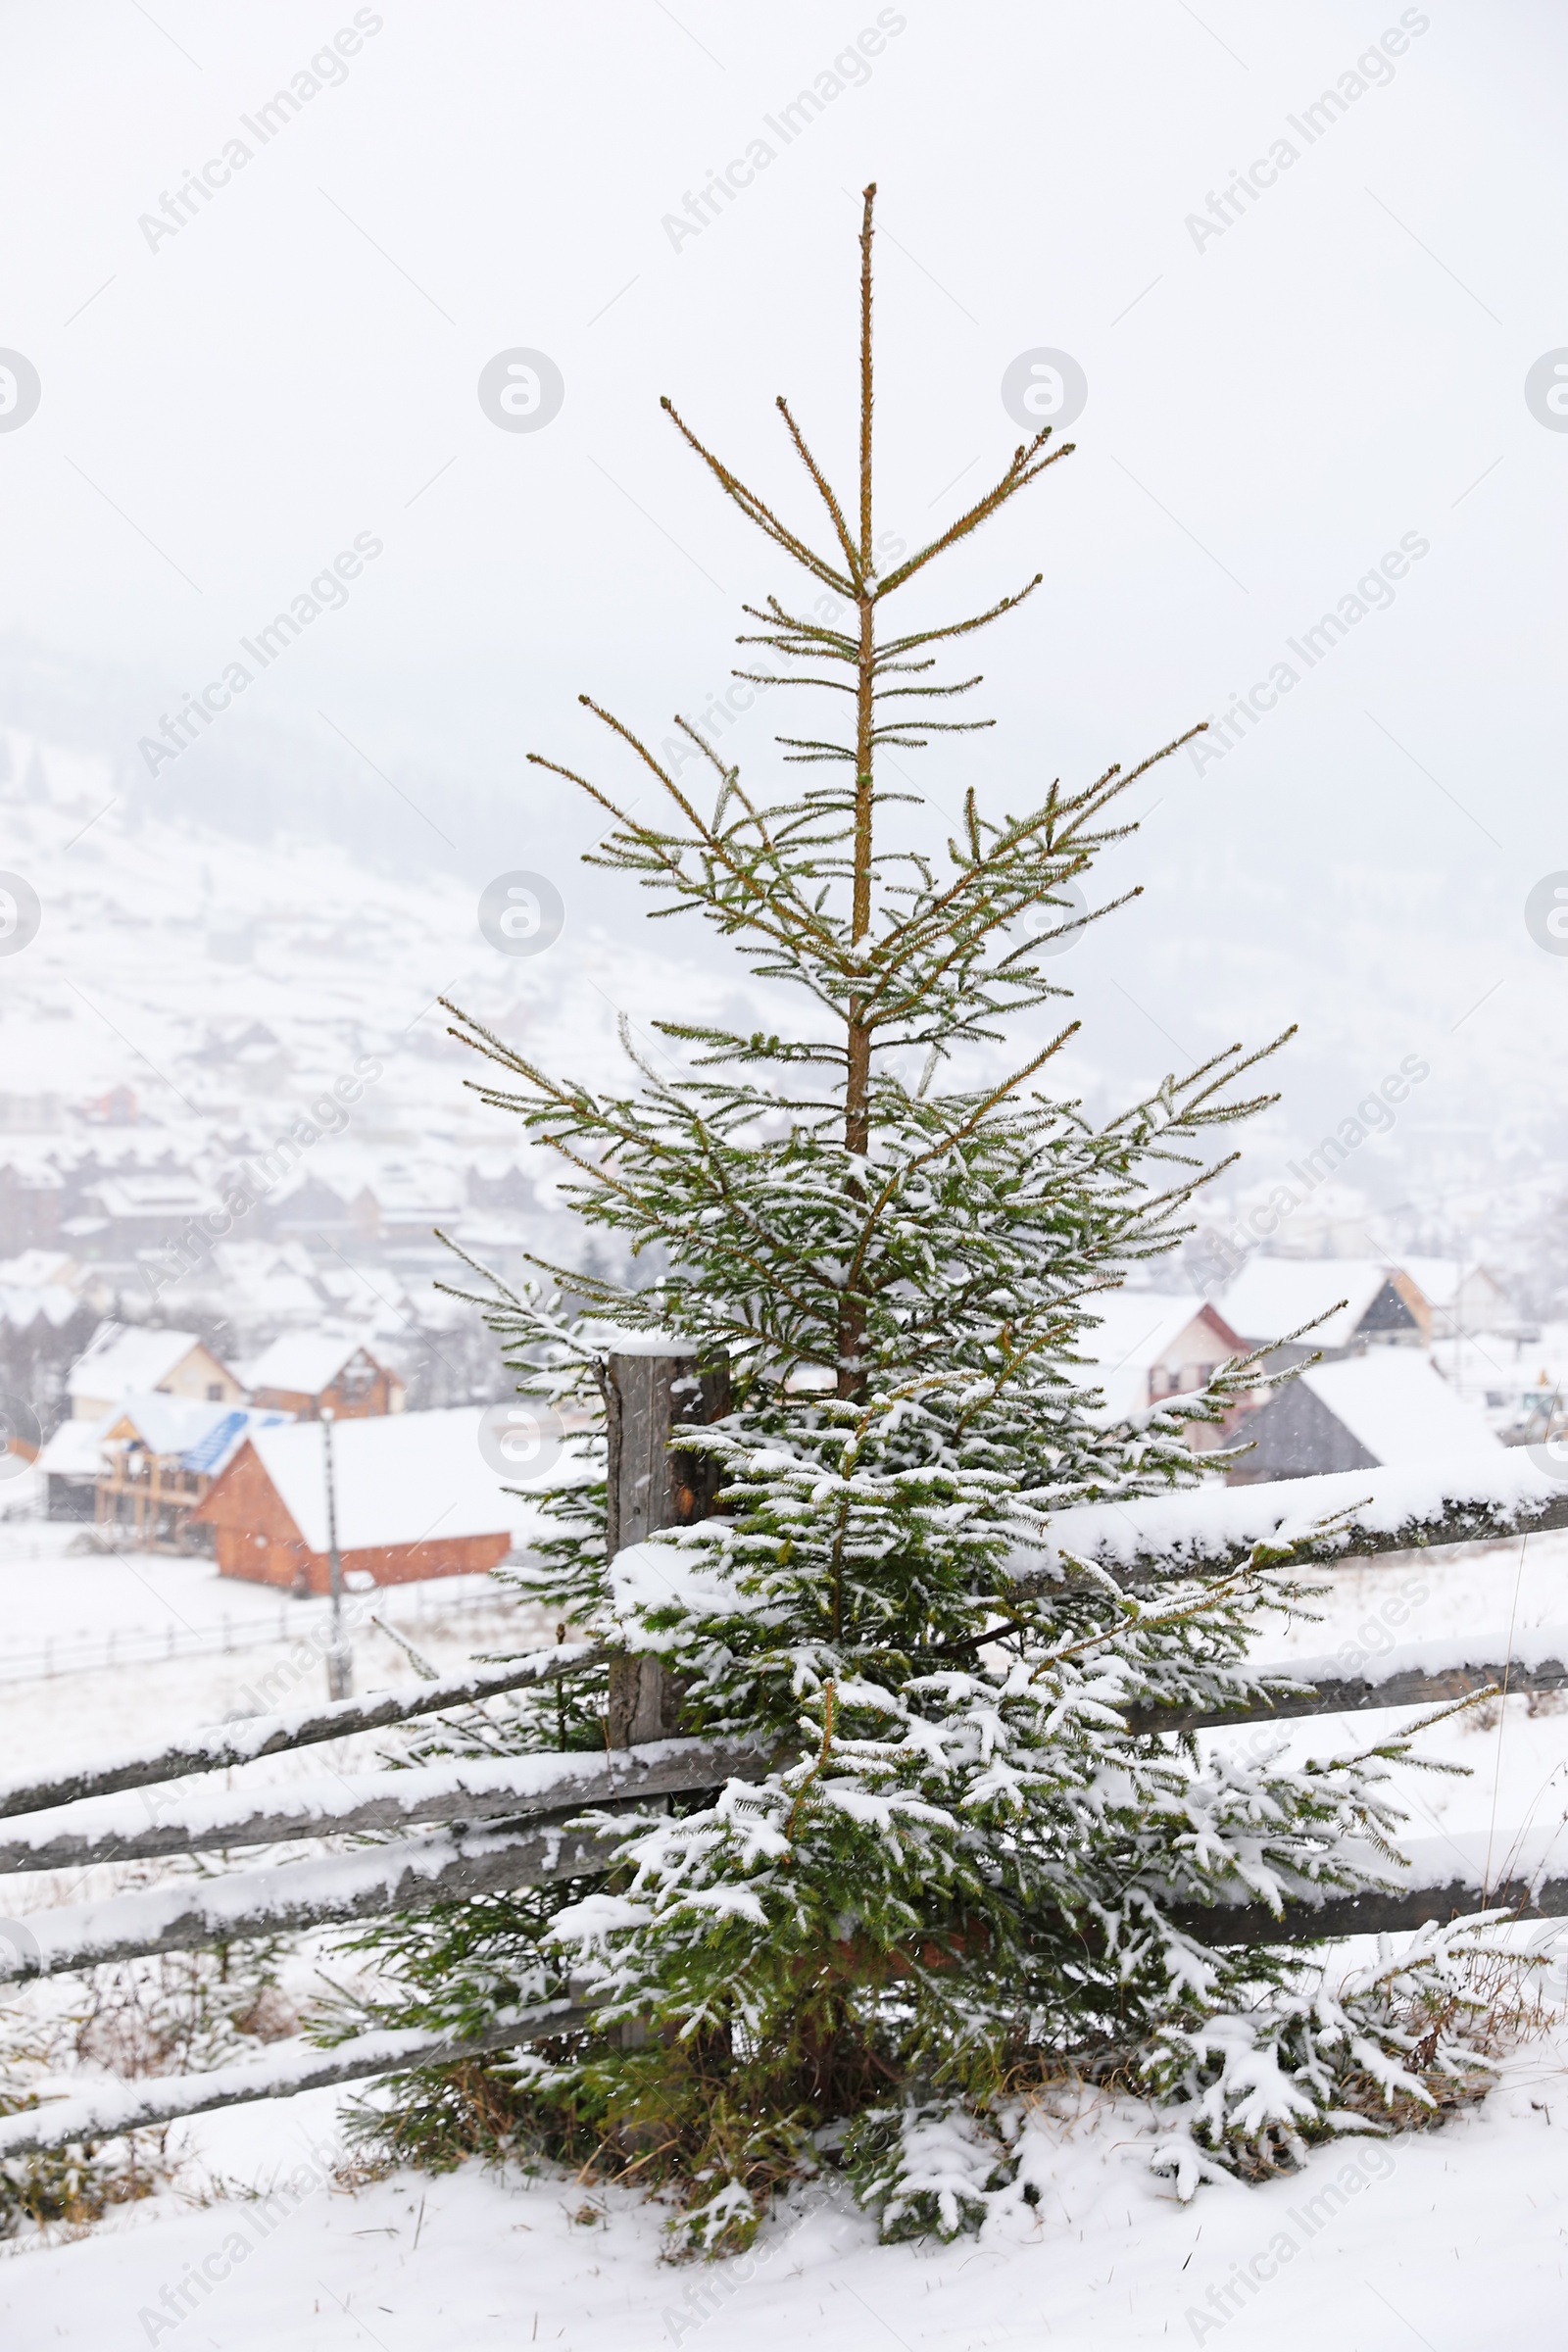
(169, 1618)
(1454, 2240)
(1448, 2239)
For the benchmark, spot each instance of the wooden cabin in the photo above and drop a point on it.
(415, 1497)
(155, 1458)
(123, 1360)
(305, 1373)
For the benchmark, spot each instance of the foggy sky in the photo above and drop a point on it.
(1273, 406)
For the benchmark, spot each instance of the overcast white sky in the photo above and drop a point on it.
(1271, 411)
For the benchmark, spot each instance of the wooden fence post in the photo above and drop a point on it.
(655, 1485)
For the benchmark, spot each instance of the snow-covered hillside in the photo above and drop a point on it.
(160, 945)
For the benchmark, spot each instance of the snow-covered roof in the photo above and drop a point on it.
(1437, 1279)
(1273, 1295)
(408, 1190)
(1395, 1404)
(22, 1308)
(74, 1451)
(216, 1450)
(137, 1196)
(1136, 1331)
(1440, 1280)
(164, 1424)
(119, 1361)
(400, 1478)
(38, 1269)
(303, 1363)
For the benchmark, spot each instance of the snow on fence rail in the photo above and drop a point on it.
(109, 2109)
(224, 1746)
(510, 1825)
(1448, 1877)
(411, 1874)
(1347, 1514)
(1416, 1673)
(137, 1824)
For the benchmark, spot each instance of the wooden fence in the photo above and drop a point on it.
(470, 1827)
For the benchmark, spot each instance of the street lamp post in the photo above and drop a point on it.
(339, 1659)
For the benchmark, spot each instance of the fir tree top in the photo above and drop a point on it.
(824, 1207)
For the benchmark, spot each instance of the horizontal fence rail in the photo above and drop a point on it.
(407, 1876)
(135, 1826)
(1213, 1531)
(1440, 1879)
(251, 1736)
(109, 2109)
(1375, 1913)
(1323, 1688)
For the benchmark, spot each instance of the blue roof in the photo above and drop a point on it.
(212, 1451)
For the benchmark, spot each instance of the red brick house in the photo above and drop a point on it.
(415, 1497)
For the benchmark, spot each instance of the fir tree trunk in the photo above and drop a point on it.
(857, 1057)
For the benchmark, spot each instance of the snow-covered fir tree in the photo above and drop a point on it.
(970, 1863)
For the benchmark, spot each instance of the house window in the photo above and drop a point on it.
(214, 1392)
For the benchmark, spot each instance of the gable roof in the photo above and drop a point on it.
(176, 1196)
(400, 1478)
(1273, 1295)
(1138, 1329)
(120, 1360)
(305, 1362)
(35, 1268)
(1400, 1409)
(1441, 1279)
(22, 1308)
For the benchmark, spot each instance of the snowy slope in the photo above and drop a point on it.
(1454, 2240)
(132, 979)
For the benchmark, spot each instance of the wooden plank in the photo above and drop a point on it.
(1373, 1914)
(652, 1485)
(186, 1914)
(109, 2109)
(1212, 1532)
(528, 1788)
(253, 1735)
(1357, 1695)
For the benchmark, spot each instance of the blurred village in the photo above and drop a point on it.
(235, 1142)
